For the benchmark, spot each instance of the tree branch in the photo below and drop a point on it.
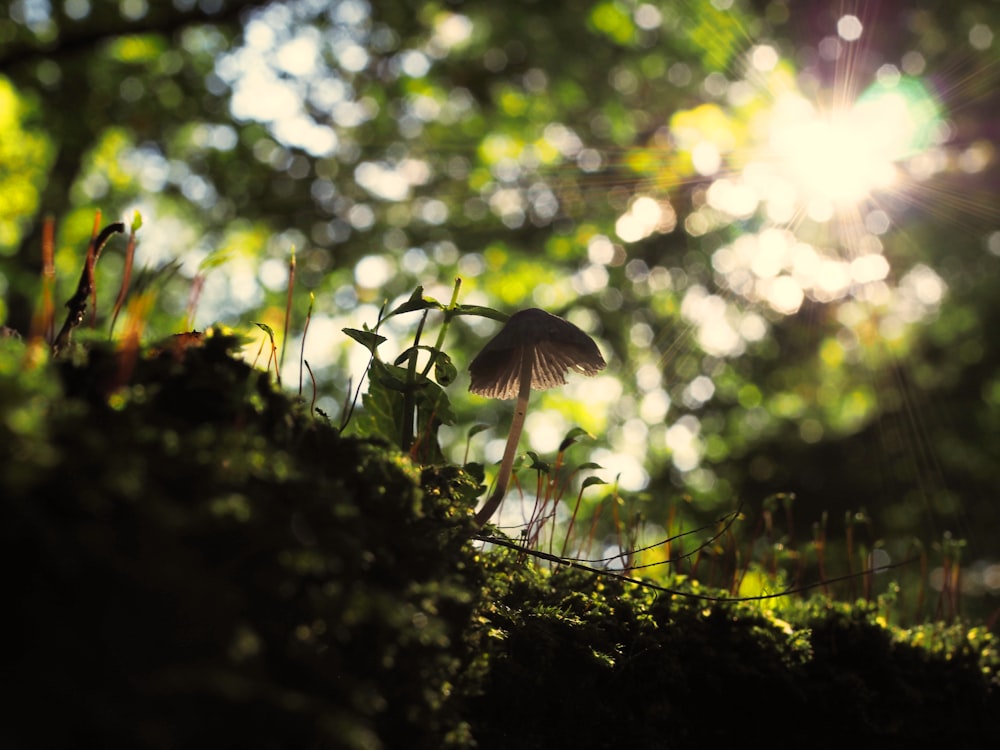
(162, 18)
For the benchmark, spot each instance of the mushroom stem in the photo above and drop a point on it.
(507, 464)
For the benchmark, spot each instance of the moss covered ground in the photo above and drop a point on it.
(192, 559)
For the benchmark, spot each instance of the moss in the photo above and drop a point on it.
(201, 560)
(193, 560)
(580, 661)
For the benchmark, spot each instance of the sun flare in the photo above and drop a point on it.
(838, 158)
(841, 157)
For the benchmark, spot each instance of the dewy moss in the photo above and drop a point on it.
(534, 349)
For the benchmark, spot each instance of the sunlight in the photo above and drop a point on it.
(843, 156)
(644, 217)
(804, 170)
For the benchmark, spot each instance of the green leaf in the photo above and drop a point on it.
(477, 471)
(538, 464)
(368, 339)
(381, 412)
(392, 377)
(409, 352)
(445, 371)
(589, 481)
(417, 301)
(384, 406)
(477, 428)
(214, 260)
(479, 310)
(572, 436)
(406, 354)
(266, 329)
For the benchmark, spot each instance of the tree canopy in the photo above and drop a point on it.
(778, 220)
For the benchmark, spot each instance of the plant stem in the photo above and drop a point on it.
(409, 408)
(507, 464)
(448, 314)
(302, 347)
(288, 313)
(85, 289)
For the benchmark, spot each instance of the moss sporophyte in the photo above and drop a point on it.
(534, 349)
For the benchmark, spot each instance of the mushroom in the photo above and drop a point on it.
(533, 350)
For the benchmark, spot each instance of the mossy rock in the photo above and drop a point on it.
(578, 660)
(193, 560)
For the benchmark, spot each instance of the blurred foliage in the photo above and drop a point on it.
(23, 157)
(621, 163)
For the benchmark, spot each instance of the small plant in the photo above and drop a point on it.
(86, 290)
(404, 404)
(253, 541)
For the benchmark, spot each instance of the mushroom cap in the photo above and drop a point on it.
(553, 345)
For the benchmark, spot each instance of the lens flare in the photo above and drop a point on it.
(841, 157)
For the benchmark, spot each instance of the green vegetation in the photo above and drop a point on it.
(240, 473)
(781, 234)
(194, 558)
